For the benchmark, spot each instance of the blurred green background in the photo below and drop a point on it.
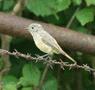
(26, 75)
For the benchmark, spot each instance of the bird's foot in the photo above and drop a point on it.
(43, 56)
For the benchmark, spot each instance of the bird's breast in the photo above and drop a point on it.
(41, 44)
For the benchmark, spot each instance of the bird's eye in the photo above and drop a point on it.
(32, 27)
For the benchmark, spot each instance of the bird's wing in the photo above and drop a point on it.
(48, 39)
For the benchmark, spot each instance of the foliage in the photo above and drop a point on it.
(90, 2)
(85, 15)
(50, 85)
(28, 72)
(9, 83)
(48, 7)
(25, 75)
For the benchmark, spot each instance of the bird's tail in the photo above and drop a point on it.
(69, 57)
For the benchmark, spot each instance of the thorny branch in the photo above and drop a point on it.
(46, 60)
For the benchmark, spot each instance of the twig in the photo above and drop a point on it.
(5, 45)
(43, 77)
(18, 8)
(45, 61)
(72, 18)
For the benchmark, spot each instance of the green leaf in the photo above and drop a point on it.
(85, 15)
(90, 2)
(50, 85)
(10, 86)
(9, 83)
(47, 7)
(77, 2)
(31, 75)
(27, 88)
(9, 78)
(8, 4)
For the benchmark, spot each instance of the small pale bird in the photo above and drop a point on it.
(45, 42)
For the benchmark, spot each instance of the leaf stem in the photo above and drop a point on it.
(72, 18)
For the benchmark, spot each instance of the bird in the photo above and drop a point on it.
(45, 42)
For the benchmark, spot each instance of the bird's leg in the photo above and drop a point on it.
(48, 56)
(43, 56)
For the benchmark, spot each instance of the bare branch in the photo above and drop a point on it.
(13, 25)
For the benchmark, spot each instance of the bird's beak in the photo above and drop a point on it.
(26, 28)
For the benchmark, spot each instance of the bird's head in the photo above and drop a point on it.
(34, 27)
